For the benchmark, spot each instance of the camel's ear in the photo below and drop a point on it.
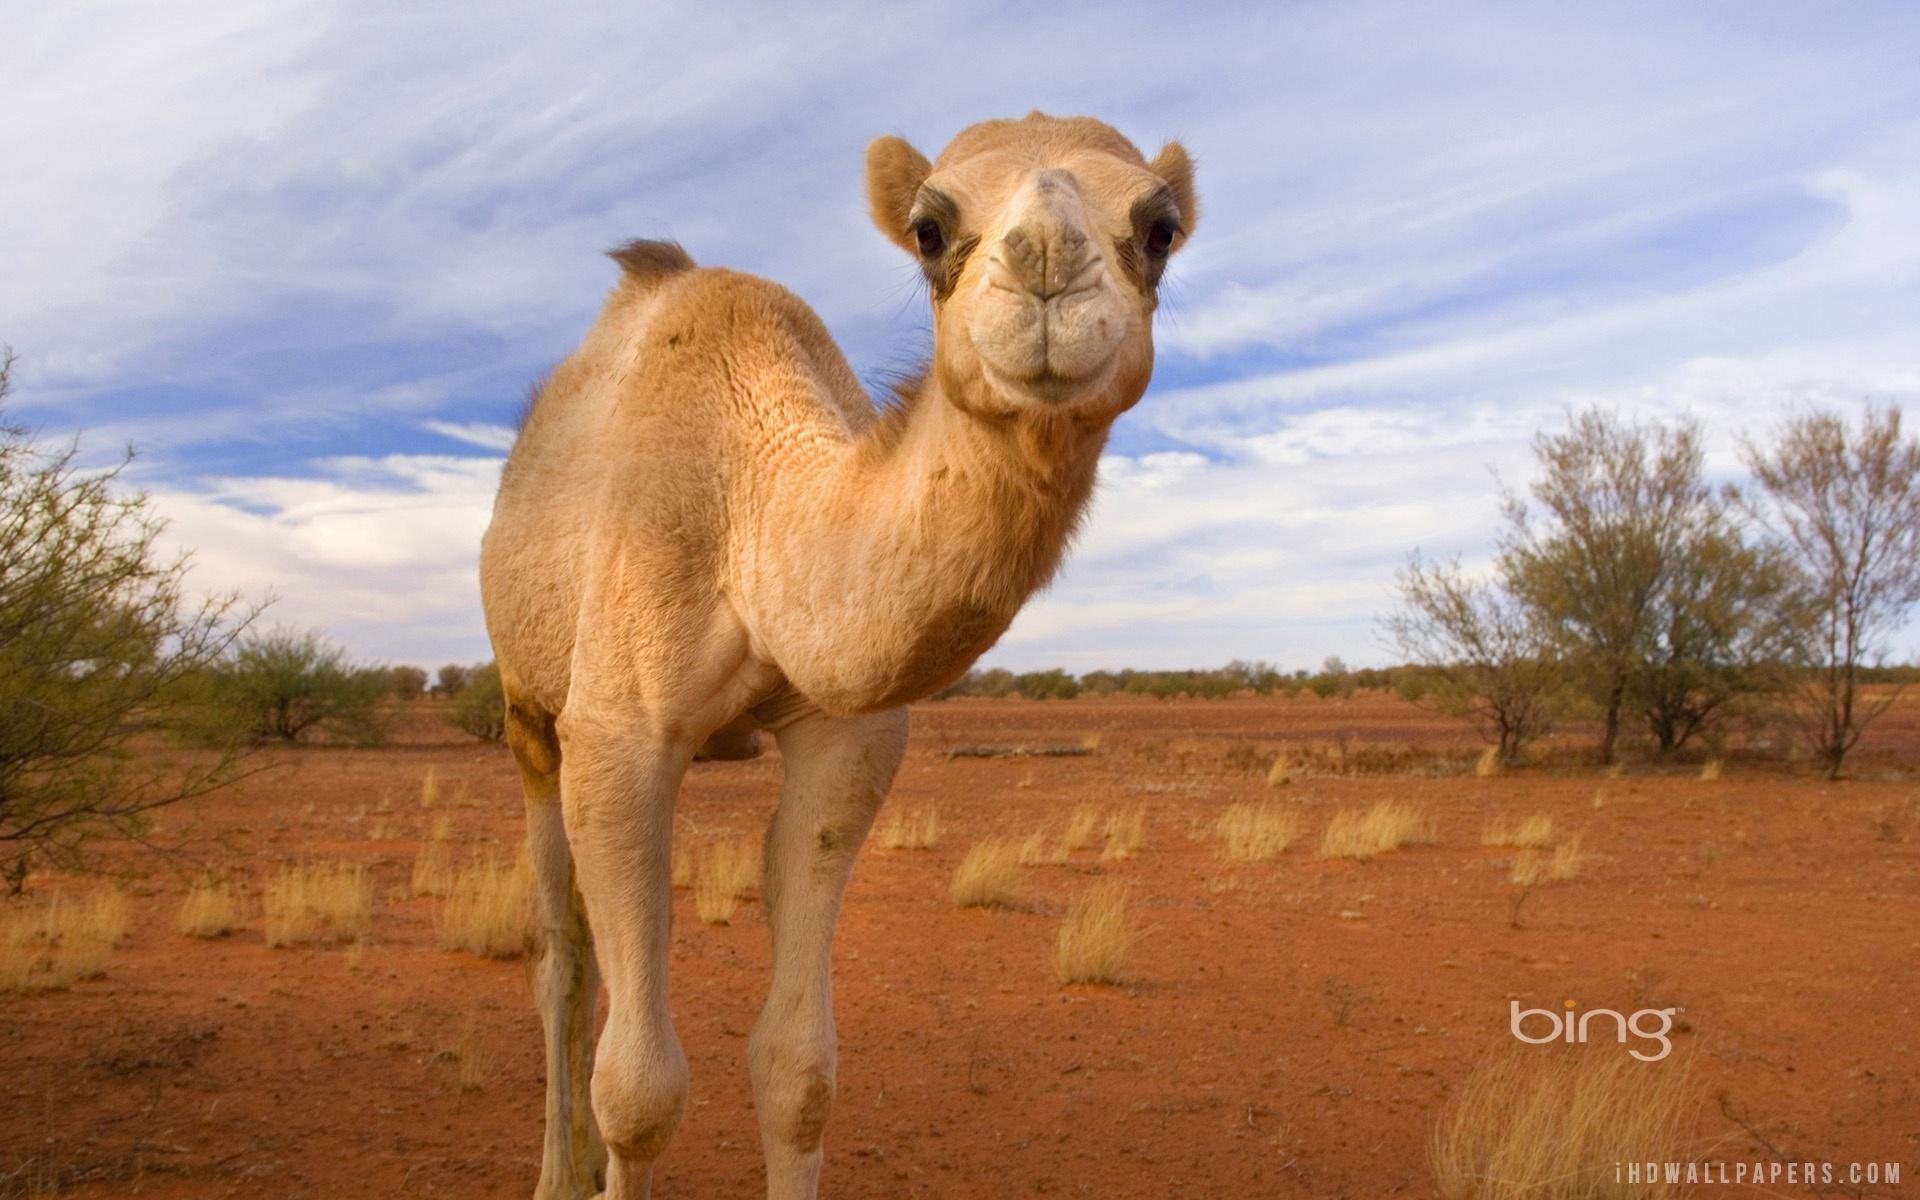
(1173, 165)
(895, 172)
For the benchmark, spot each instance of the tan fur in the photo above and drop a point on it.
(706, 527)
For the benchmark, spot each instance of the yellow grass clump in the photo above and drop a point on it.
(1557, 1124)
(1080, 827)
(1095, 937)
(1257, 832)
(318, 902)
(211, 909)
(726, 872)
(1281, 772)
(433, 870)
(53, 944)
(682, 866)
(1126, 833)
(1033, 849)
(1386, 826)
(987, 876)
(1533, 832)
(1532, 867)
(489, 909)
(430, 788)
(1488, 764)
(913, 829)
(1710, 770)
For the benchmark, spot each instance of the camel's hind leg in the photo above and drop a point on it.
(837, 772)
(566, 981)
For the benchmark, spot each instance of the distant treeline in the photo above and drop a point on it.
(1238, 677)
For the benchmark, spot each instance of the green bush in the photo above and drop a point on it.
(481, 706)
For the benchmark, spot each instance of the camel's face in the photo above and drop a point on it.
(1043, 241)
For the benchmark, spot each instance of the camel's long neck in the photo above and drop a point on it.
(924, 541)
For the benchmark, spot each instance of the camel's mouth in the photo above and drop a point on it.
(1049, 350)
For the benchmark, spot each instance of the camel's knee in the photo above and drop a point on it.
(793, 1085)
(639, 1103)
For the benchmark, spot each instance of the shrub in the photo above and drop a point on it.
(1095, 937)
(480, 707)
(99, 644)
(286, 684)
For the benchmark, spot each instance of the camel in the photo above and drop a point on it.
(707, 529)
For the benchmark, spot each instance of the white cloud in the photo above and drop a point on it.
(1423, 235)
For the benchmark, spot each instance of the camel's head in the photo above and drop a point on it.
(1043, 241)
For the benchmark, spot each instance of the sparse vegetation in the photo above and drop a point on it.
(318, 903)
(1556, 1123)
(210, 909)
(1095, 937)
(488, 910)
(1257, 832)
(1126, 833)
(1386, 826)
(726, 872)
(433, 870)
(987, 877)
(480, 705)
(1534, 831)
(1080, 827)
(913, 829)
(54, 943)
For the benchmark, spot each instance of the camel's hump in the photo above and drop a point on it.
(649, 262)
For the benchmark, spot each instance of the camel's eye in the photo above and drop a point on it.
(931, 241)
(1160, 237)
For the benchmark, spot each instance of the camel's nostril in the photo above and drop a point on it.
(1046, 260)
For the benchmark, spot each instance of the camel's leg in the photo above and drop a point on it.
(837, 772)
(566, 983)
(618, 782)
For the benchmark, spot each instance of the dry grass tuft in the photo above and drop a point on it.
(1281, 772)
(441, 828)
(727, 871)
(489, 909)
(683, 871)
(1126, 833)
(430, 788)
(987, 876)
(1556, 1125)
(472, 1061)
(1386, 826)
(211, 909)
(54, 944)
(1033, 850)
(433, 870)
(1535, 832)
(1095, 937)
(1710, 770)
(1534, 867)
(1488, 764)
(318, 902)
(1080, 828)
(1257, 832)
(913, 829)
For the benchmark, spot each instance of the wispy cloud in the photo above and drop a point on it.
(306, 253)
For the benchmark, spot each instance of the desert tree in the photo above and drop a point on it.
(284, 684)
(1615, 509)
(99, 642)
(1720, 632)
(1479, 652)
(407, 683)
(1845, 505)
(448, 680)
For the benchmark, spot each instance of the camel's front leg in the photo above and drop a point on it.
(618, 782)
(837, 772)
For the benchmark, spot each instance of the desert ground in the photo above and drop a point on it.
(1289, 1028)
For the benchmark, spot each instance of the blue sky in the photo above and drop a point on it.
(309, 257)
